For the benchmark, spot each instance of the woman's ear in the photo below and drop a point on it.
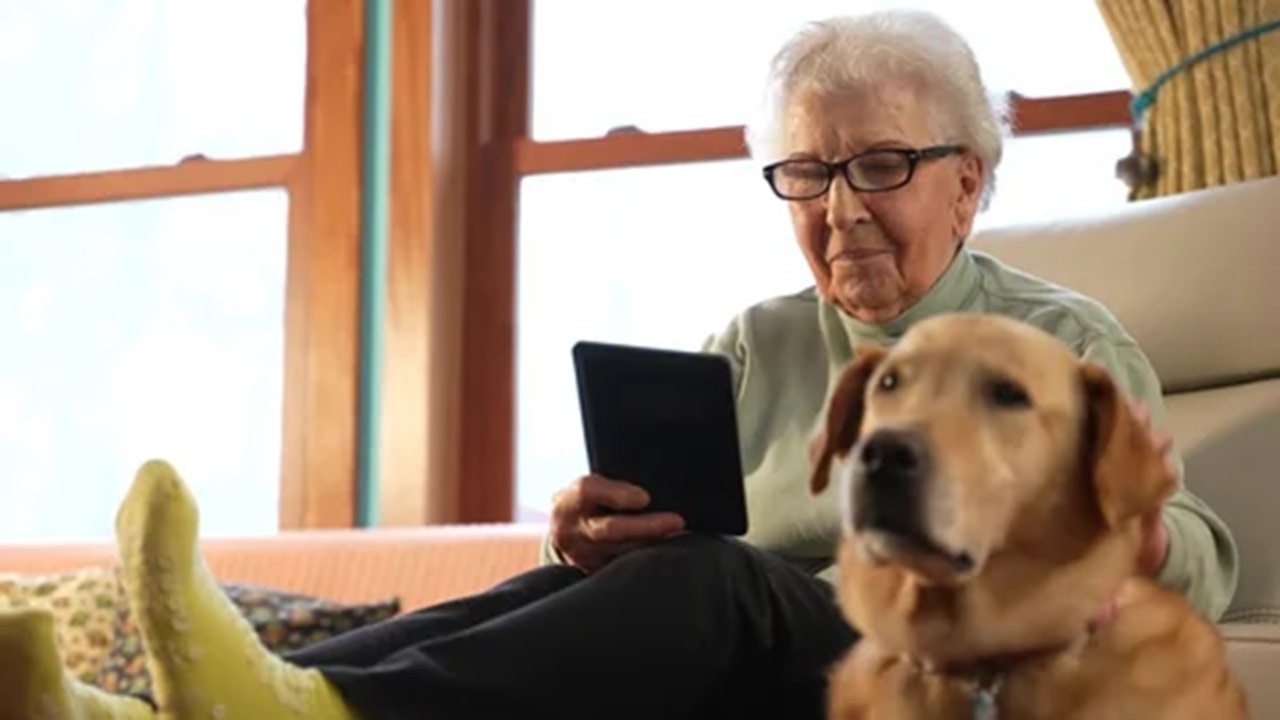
(968, 198)
(1129, 477)
(844, 415)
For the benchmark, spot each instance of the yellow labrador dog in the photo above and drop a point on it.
(992, 487)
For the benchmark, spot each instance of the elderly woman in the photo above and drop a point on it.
(883, 145)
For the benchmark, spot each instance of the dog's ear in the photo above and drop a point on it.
(844, 414)
(1129, 476)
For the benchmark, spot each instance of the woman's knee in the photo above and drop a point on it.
(693, 555)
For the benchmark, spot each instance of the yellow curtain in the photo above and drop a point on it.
(1216, 122)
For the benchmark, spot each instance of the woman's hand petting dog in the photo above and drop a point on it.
(597, 519)
(1155, 546)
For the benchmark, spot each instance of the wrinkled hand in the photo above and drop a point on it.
(597, 519)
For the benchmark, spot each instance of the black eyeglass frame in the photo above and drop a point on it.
(914, 157)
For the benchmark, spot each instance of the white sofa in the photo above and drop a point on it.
(1196, 280)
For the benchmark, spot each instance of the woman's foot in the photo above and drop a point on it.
(205, 660)
(34, 685)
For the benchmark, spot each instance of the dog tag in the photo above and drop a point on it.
(984, 704)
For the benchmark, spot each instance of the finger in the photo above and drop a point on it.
(566, 506)
(1155, 544)
(602, 492)
(567, 512)
(1162, 439)
(1151, 520)
(609, 529)
(1141, 412)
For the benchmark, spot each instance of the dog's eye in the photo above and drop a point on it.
(888, 381)
(1006, 394)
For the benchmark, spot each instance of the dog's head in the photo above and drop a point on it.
(991, 485)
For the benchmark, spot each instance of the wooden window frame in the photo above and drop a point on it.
(484, 425)
(1067, 113)
(321, 389)
(192, 177)
(482, 117)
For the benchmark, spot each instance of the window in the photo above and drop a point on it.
(671, 64)
(148, 323)
(1058, 175)
(126, 84)
(139, 330)
(668, 255)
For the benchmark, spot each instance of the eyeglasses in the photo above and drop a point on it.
(877, 170)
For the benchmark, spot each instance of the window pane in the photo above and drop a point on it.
(97, 84)
(1046, 176)
(666, 256)
(673, 64)
(140, 330)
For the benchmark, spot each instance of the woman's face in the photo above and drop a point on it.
(873, 254)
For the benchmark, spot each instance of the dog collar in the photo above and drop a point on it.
(985, 678)
(982, 696)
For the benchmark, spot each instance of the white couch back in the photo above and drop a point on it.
(1196, 280)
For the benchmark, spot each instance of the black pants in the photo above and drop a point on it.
(693, 627)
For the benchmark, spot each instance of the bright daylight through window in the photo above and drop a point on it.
(150, 328)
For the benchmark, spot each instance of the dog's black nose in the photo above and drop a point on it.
(894, 454)
(894, 469)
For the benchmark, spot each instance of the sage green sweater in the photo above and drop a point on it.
(787, 350)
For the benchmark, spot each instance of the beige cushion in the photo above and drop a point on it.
(1254, 654)
(1193, 277)
(1230, 441)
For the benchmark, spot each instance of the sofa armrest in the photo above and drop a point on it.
(1253, 649)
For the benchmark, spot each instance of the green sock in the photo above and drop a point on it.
(35, 686)
(205, 660)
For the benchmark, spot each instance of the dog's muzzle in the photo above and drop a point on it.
(892, 470)
(892, 467)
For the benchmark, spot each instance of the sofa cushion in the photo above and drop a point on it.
(83, 604)
(1229, 442)
(283, 622)
(1253, 650)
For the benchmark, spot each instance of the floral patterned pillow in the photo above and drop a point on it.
(283, 621)
(84, 604)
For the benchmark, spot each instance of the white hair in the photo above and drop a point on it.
(911, 47)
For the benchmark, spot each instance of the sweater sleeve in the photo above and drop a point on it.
(728, 344)
(1203, 559)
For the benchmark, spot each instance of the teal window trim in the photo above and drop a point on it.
(374, 220)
